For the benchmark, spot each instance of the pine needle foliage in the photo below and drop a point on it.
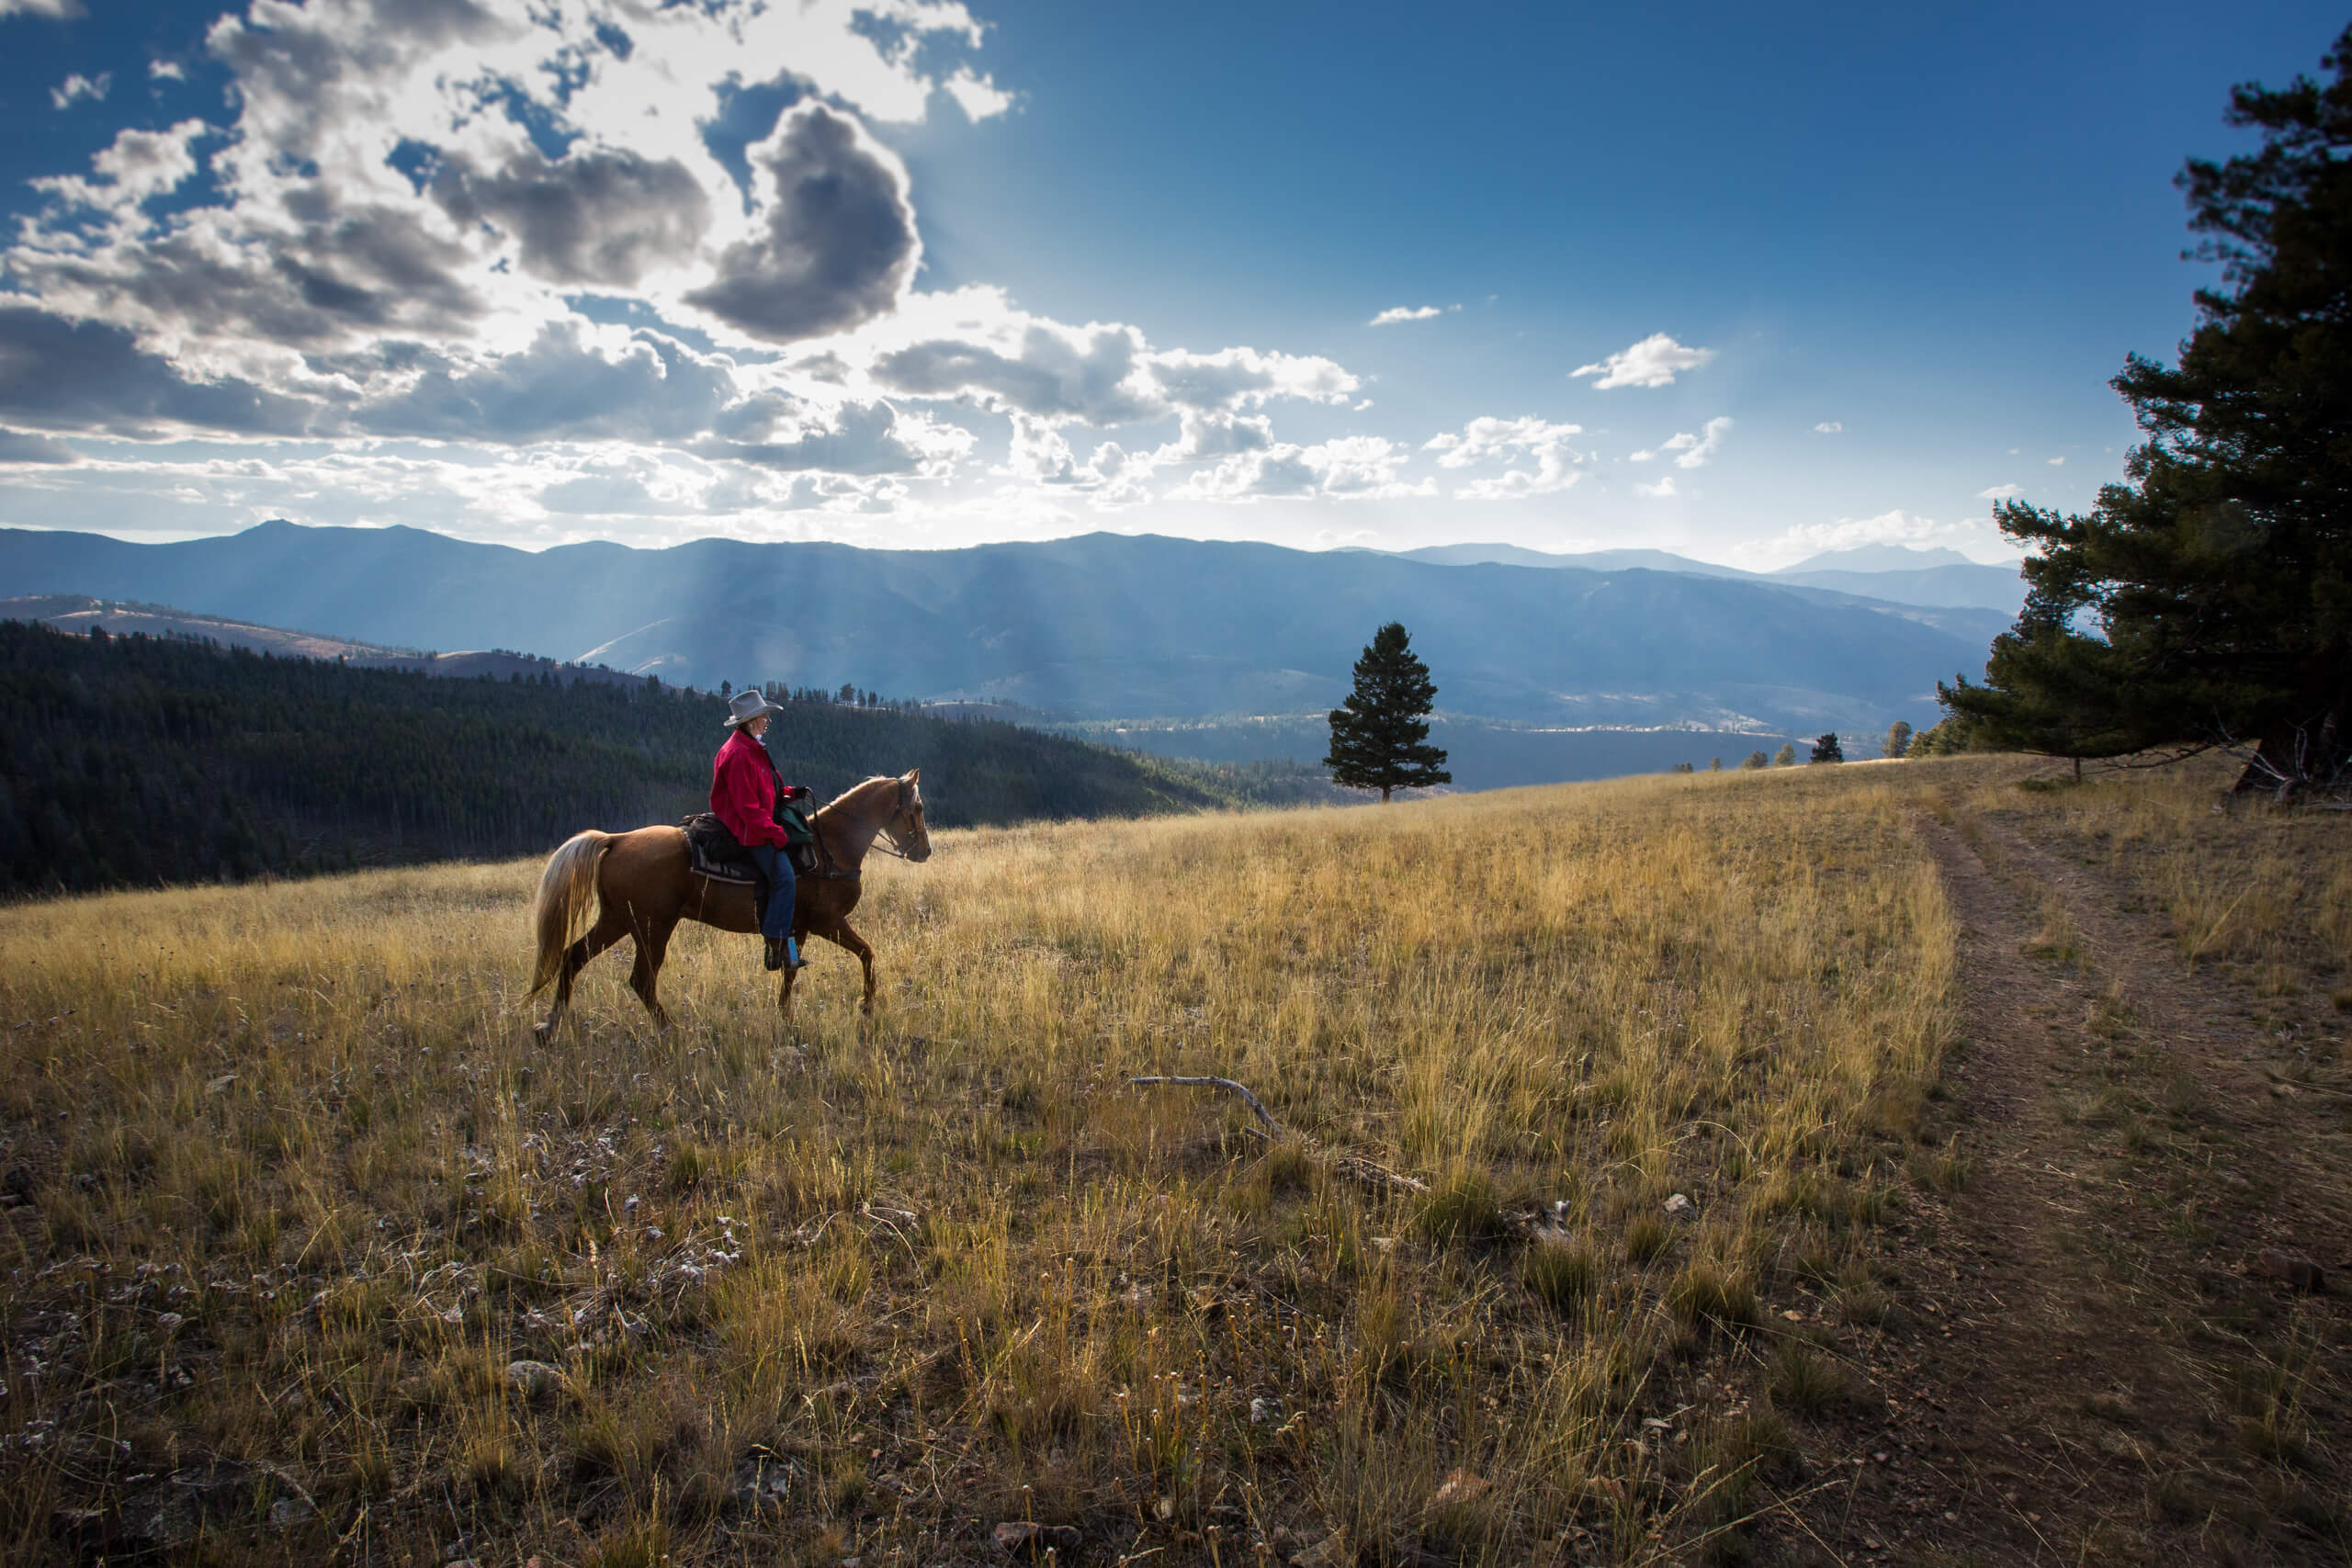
(2209, 599)
(1380, 735)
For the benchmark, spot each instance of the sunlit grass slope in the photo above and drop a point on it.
(291, 1186)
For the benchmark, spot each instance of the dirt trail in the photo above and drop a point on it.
(2082, 1368)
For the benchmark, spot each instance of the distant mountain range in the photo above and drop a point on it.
(76, 613)
(1896, 573)
(1098, 627)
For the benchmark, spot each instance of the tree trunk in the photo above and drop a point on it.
(1383, 794)
(2299, 756)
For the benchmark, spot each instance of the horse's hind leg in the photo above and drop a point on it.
(610, 927)
(652, 942)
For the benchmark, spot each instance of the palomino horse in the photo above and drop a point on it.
(644, 886)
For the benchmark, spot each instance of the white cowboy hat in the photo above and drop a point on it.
(749, 703)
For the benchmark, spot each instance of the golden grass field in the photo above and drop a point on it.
(291, 1189)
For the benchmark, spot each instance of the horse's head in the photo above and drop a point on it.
(908, 835)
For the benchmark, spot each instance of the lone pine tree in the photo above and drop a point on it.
(2209, 599)
(1380, 738)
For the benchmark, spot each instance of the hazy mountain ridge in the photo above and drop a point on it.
(1898, 574)
(1100, 625)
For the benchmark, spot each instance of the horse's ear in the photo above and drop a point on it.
(914, 776)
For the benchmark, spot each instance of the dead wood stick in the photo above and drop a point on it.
(1378, 1176)
(1228, 1084)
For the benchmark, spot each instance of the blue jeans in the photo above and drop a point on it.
(777, 868)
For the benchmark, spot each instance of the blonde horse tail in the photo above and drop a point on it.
(566, 888)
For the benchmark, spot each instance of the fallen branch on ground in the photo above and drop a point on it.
(1254, 1102)
(1379, 1176)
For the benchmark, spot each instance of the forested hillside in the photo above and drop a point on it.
(141, 760)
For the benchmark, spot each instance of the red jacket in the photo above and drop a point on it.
(742, 791)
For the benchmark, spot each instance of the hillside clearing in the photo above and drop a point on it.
(318, 1254)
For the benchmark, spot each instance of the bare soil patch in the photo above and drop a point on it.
(2088, 1362)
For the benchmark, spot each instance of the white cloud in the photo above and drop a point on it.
(1396, 313)
(138, 164)
(1041, 455)
(850, 438)
(1488, 439)
(1975, 536)
(1696, 449)
(2000, 492)
(977, 96)
(835, 243)
(1665, 486)
(1363, 467)
(1828, 427)
(1652, 362)
(1896, 527)
(60, 9)
(381, 179)
(539, 496)
(23, 446)
(974, 347)
(1217, 435)
(1245, 378)
(2057, 462)
(78, 86)
(1352, 468)
(377, 249)
(386, 248)
(1642, 457)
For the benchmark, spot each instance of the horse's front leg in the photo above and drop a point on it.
(783, 992)
(864, 951)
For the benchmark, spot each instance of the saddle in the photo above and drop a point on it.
(717, 853)
(714, 850)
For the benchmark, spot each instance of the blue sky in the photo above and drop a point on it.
(1741, 282)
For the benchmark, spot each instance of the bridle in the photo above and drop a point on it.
(885, 838)
(909, 797)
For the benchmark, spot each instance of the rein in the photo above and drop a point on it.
(832, 870)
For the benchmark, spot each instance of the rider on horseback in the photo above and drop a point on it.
(745, 790)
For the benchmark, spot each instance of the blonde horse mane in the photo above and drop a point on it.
(842, 799)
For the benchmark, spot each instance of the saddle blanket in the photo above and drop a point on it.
(714, 851)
